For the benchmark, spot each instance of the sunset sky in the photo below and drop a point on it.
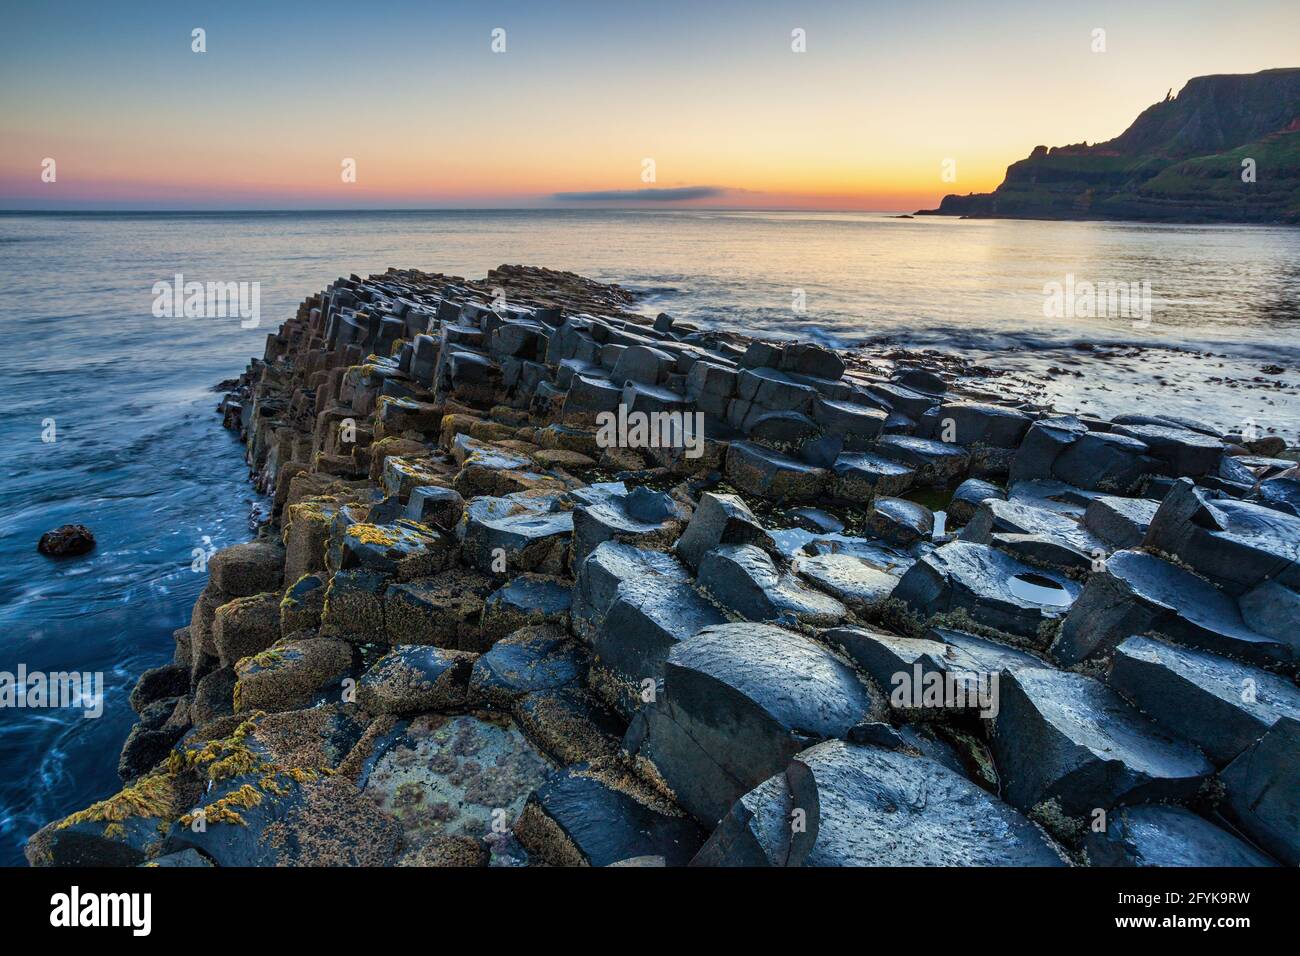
(584, 92)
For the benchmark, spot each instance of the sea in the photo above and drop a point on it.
(107, 402)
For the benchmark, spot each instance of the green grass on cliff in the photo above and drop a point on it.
(1217, 178)
(1152, 172)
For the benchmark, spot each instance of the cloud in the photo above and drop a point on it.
(676, 194)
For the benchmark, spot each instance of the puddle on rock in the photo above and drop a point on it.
(1037, 589)
(936, 499)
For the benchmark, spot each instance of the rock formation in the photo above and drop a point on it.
(487, 626)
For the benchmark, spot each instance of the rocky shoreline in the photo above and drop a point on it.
(547, 583)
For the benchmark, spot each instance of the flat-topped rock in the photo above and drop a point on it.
(1167, 836)
(527, 599)
(935, 462)
(744, 579)
(739, 701)
(583, 816)
(775, 390)
(254, 835)
(897, 663)
(1120, 522)
(970, 494)
(441, 775)
(886, 658)
(1042, 551)
(570, 724)
(1236, 544)
(920, 380)
(436, 507)
(860, 477)
(995, 516)
(1069, 738)
(867, 806)
(445, 609)
(991, 588)
(1043, 443)
(900, 522)
(858, 425)
(465, 448)
(643, 363)
(1272, 609)
(806, 358)
(1054, 495)
(1139, 593)
(782, 431)
(403, 473)
(649, 615)
(289, 674)
(1261, 793)
(1183, 451)
(410, 679)
(770, 474)
(1281, 492)
(604, 571)
(620, 516)
(859, 585)
(981, 654)
(525, 531)
(719, 519)
(1175, 421)
(977, 423)
(1063, 449)
(900, 398)
(245, 626)
(1220, 705)
(1105, 461)
(650, 399)
(530, 659)
(242, 570)
(588, 396)
(403, 549)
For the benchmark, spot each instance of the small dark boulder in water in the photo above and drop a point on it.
(67, 541)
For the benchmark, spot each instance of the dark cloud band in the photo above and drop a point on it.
(647, 195)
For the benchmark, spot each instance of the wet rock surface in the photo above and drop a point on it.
(1220, 705)
(739, 701)
(1065, 737)
(588, 816)
(1167, 836)
(744, 579)
(866, 806)
(1138, 592)
(989, 587)
(1261, 796)
(67, 541)
(485, 628)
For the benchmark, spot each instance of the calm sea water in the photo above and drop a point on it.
(140, 457)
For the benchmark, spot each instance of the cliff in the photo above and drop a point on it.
(1180, 161)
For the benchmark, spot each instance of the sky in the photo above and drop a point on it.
(890, 106)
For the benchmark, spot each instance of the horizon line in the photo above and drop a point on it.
(328, 209)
